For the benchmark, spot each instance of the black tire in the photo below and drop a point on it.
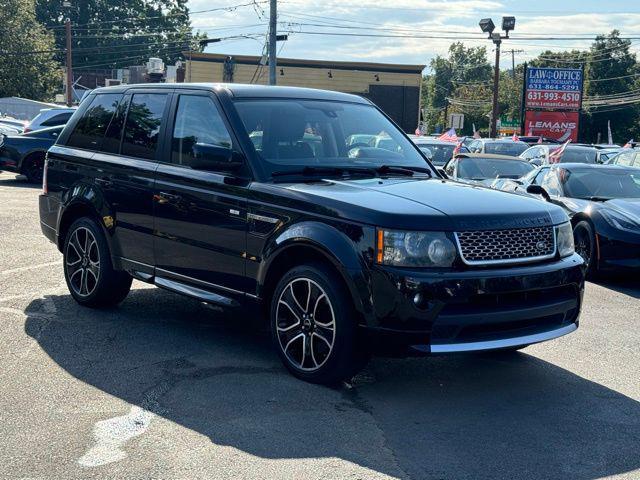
(88, 270)
(585, 241)
(33, 168)
(330, 363)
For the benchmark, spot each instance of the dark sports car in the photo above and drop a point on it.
(25, 153)
(603, 202)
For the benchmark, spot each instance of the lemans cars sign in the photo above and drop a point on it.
(559, 125)
(554, 88)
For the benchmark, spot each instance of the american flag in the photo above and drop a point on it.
(449, 136)
(515, 137)
(556, 155)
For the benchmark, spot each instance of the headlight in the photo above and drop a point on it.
(414, 249)
(620, 220)
(564, 239)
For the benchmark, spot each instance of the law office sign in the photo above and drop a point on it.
(554, 88)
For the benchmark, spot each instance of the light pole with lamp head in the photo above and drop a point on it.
(487, 26)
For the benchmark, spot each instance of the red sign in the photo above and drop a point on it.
(559, 125)
(545, 99)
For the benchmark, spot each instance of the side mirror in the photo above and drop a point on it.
(538, 190)
(214, 158)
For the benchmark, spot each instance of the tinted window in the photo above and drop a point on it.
(198, 122)
(59, 119)
(440, 154)
(505, 148)
(142, 127)
(485, 168)
(603, 183)
(290, 134)
(579, 155)
(89, 130)
(113, 135)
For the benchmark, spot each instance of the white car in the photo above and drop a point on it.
(50, 117)
(539, 154)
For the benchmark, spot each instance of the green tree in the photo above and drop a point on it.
(611, 71)
(466, 73)
(109, 34)
(27, 66)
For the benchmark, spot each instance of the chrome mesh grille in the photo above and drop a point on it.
(504, 246)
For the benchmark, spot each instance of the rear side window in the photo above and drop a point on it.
(59, 119)
(143, 123)
(197, 122)
(90, 129)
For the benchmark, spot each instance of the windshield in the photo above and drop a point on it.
(505, 148)
(293, 134)
(578, 155)
(441, 154)
(485, 168)
(601, 183)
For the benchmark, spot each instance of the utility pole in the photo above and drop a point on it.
(273, 15)
(67, 25)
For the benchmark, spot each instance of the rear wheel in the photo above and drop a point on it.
(33, 168)
(313, 326)
(88, 271)
(585, 242)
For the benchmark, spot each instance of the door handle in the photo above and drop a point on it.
(105, 182)
(164, 197)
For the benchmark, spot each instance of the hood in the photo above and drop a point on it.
(421, 204)
(628, 206)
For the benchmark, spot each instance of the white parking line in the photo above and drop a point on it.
(30, 267)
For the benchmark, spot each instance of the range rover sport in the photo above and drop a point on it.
(247, 195)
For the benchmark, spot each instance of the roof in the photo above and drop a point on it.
(240, 90)
(431, 141)
(302, 63)
(490, 156)
(594, 166)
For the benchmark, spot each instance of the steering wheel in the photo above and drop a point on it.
(358, 145)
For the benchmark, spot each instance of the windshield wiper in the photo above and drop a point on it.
(310, 171)
(596, 198)
(401, 170)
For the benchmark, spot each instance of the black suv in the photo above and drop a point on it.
(245, 195)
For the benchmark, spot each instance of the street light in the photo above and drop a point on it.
(487, 26)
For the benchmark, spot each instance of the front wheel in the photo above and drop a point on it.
(313, 326)
(34, 168)
(88, 270)
(585, 242)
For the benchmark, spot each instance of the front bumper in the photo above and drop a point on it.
(472, 310)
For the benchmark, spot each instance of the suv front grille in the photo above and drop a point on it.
(485, 247)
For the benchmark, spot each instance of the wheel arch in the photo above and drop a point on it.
(311, 242)
(74, 210)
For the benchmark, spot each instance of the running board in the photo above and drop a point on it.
(195, 292)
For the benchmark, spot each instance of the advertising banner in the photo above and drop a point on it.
(558, 125)
(553, 88)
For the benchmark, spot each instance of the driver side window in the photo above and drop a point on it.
(551, 183)
(197, 122)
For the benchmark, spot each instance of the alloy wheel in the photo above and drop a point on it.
(583, 245)
(305, 324)
(82, 261)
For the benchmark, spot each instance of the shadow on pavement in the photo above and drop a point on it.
(19, 181)
(489, 416)
(626, 283)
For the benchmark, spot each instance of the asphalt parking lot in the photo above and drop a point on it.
(164, 387)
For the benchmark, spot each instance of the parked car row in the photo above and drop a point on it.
(23, 145)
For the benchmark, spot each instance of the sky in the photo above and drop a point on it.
(453, 19)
